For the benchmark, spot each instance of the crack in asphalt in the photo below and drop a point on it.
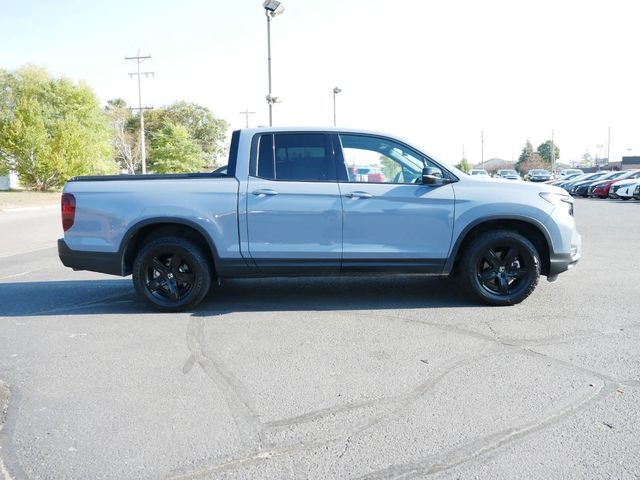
(486, 444)
(235, 393)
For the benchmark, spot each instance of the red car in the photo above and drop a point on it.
(601, 189)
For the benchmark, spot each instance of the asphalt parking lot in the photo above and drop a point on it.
(332, 378)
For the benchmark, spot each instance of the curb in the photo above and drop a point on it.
(29, 209)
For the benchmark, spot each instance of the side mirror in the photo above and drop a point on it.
(432, 176)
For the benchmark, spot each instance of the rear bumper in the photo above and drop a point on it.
(103, 262)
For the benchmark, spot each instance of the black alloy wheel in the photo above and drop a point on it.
(172, 274)
(501, 267)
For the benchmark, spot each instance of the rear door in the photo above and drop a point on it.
(294, 209)
(392, 222)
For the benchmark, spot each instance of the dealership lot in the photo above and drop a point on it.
(331, 378)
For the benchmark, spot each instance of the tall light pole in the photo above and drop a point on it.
(336, 91)
(272, 8)
(139, 59)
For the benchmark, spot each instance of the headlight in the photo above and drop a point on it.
(556, 198)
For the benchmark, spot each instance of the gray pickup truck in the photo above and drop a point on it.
(307, 202)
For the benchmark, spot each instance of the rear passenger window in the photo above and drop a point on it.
(297, 157)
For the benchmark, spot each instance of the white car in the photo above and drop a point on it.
(625, 192)
(479, 172)
(632, 179)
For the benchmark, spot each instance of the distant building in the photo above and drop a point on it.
(494, 164)
(630, 163)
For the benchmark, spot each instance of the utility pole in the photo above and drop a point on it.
(482, 147)
(139, 59)
(246, 114)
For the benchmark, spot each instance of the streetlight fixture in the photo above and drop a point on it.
(272, 8)
(336, 91)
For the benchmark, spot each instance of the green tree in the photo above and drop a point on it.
(530, 159)
(208, 131)
(51, 129)
(464, 165)
(173, 150)
(527, 152)
(534, 161)
(544, 150)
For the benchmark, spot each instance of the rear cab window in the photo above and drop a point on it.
(303, 157)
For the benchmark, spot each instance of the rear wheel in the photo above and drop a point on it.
(500, 268)
(171, 274)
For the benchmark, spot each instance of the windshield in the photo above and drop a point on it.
(613, 175)
(539, 172)
(507, 172)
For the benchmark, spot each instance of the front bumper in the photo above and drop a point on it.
(561, 262)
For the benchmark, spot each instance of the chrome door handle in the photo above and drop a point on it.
(264, 191)
(358, 195)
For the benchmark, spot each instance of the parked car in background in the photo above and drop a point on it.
(627, 191)
(600, 188)
(479, 172)
(570, 171)
(581, 178)
(636, 192)
(538, 175)
(620, 183)
(509, 174)
(581, 188)
(565, 179)
(368, 174)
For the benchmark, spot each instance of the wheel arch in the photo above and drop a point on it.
(151, 228)
(535, 232)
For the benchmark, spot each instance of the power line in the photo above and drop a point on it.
(139, 59)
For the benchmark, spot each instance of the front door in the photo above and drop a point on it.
(294, 210)
(392, 222)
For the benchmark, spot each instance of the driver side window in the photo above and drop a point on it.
(370, 159)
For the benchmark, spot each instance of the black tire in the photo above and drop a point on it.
(171, 274)
(500, 268)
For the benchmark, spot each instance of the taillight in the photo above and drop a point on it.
(68, 203)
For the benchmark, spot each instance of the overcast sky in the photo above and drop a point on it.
(435, 73)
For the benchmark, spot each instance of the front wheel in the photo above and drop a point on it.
(500, 268)
(171, 274)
